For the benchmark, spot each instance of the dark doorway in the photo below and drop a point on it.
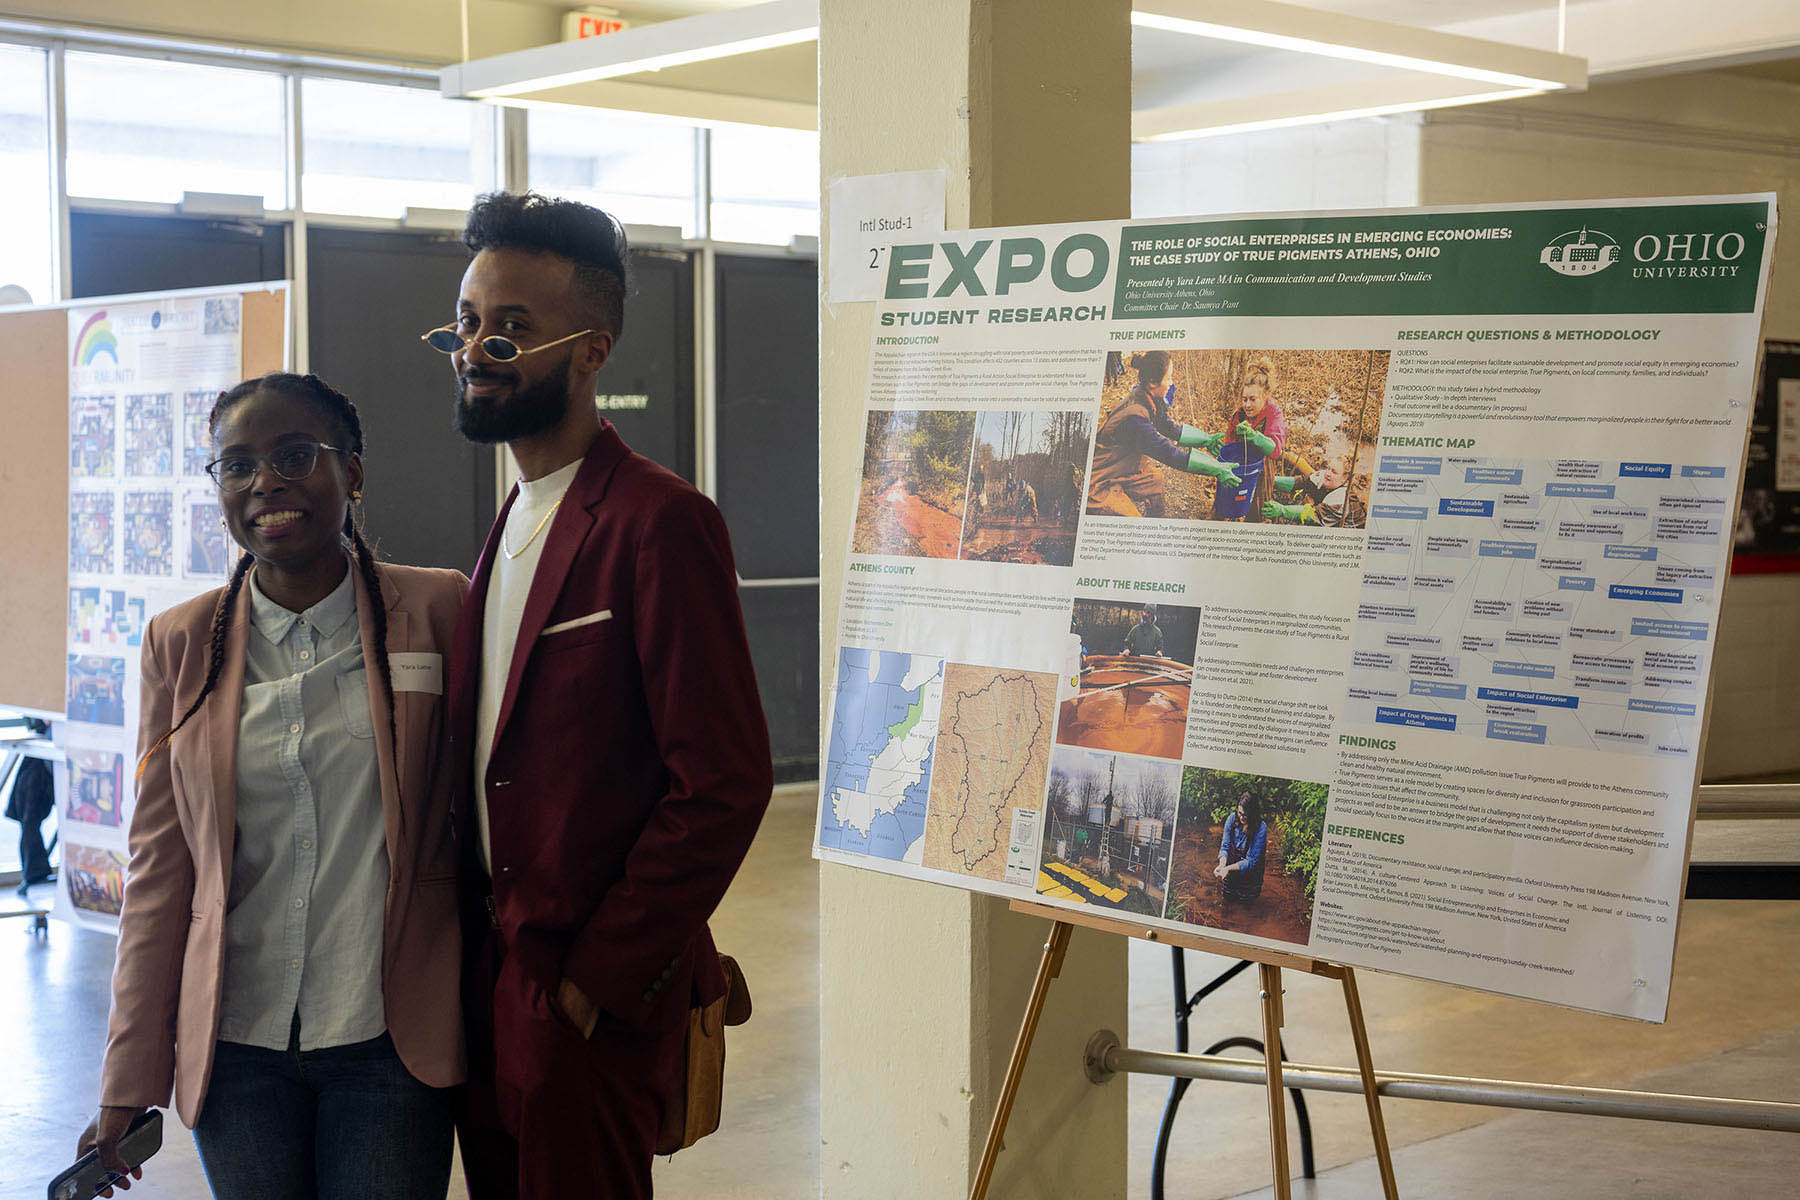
(429, 494)
(768, 483)
(647, 388)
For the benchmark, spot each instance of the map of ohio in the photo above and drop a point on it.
(993, 756)
(878, 764)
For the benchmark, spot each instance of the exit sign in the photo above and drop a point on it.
(578, 25)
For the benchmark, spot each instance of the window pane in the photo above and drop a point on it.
(375, 150)
(765, 184)
(640, 171)
(142, 129)
(25, 206)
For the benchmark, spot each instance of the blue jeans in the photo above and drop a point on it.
(342, 1123)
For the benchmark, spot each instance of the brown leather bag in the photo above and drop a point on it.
(692, 1110)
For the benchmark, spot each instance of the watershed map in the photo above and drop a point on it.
(884, 727)
(993, 758)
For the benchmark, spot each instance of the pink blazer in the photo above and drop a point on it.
(167, 981)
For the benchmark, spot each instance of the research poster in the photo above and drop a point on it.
(1341, 582)
(144, 534)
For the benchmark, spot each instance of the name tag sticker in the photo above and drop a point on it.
(417, 672)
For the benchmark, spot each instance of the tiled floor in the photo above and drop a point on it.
(54, 995)
(1734, 1029)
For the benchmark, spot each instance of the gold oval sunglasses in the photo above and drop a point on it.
(500, 349)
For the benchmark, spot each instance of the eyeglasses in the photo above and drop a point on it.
(293, 462)
(500, 349)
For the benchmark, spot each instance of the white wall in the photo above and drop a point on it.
(1348, 164)
(922, 986)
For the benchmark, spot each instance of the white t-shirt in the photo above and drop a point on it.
(508, 587)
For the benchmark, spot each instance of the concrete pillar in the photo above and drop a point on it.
(1027, 105)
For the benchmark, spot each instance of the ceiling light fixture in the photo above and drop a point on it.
(682, 42)
(1344, 114)
(655, 62)
(1276, 26)
(1416, 64)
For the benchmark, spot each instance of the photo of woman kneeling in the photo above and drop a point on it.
(1247, 853)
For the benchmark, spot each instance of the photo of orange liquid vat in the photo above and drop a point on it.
(1130, 702)
(1128, 677)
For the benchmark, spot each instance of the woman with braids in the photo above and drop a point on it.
(289, 947)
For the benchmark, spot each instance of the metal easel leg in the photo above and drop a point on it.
(1272, 1021)
(1049, 967)
(1184, 1008)
(1371, 1095)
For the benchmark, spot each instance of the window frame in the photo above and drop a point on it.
(511, 159)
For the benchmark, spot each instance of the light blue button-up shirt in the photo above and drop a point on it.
(309, 877)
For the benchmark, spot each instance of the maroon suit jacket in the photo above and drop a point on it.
(630, 765)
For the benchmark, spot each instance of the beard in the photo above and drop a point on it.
(530, 409)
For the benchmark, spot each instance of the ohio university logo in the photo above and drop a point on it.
(1581, 251)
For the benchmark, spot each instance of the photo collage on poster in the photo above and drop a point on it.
(1323, 609)
(144, 533)
(1075, 786)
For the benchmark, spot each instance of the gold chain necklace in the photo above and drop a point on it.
(512, 554)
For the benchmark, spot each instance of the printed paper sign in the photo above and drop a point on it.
(871, 212)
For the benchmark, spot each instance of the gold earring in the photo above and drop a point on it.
(356, 496)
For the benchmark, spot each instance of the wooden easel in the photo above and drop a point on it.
(1269, 966)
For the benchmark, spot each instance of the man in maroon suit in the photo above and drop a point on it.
(602, 692)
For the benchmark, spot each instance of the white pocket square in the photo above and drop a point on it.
(604, 614)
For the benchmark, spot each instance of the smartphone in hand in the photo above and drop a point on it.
(87, 1177)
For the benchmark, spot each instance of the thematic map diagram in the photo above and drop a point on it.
(993, 755)
(1562, 602)
(878, 763)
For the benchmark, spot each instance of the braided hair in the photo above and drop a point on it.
(337, 409)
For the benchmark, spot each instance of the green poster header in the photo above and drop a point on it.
(1680, 258)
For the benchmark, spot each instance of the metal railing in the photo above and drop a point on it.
(1106, 1055)
(1750, 799)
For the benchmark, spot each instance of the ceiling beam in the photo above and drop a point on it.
(1628, 38)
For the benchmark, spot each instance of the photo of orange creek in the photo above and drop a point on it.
(1134, 703)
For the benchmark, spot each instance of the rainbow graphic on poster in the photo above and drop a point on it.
(96, 338)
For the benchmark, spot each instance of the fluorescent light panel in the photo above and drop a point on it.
(619, 109)
(1263, 23)
(1243, 35)
(657, 62)
(1272, 24)
(1281, 41)
(1345, 114)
